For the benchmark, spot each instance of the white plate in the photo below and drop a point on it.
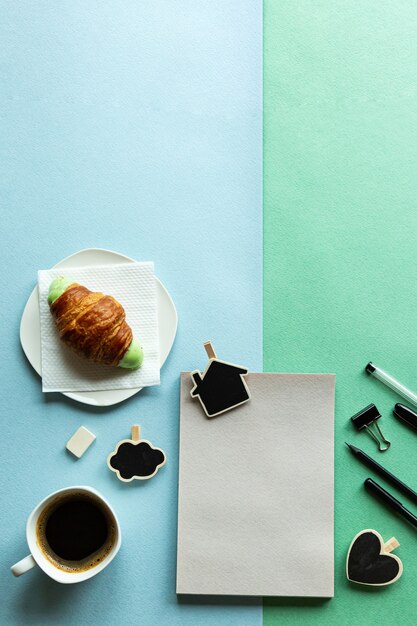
(30, 329)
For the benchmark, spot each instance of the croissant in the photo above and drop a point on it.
(93, 324)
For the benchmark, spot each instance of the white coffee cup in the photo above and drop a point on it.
(37, 557)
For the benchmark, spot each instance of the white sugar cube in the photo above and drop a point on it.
(80, 441)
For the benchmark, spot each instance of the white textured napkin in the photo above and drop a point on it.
(133, 285)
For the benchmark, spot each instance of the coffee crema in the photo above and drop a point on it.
(76, 532)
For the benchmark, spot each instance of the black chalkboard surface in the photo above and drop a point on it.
(221, 387)
(135, 458)
(369, 561)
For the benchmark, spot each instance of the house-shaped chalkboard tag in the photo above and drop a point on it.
(221, 387)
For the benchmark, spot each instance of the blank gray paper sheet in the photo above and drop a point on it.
(255, 511)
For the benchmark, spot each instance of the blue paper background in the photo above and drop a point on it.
(134, 126)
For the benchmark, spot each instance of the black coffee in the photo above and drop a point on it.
(76, 532)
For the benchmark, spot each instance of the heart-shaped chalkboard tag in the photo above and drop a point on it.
(369, 561)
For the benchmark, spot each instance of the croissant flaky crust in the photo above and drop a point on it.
(92, 324)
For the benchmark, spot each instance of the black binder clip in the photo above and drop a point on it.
(367, 418)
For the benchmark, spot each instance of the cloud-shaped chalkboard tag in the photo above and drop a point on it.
(221, 387)
(135, 458)
(369, 561)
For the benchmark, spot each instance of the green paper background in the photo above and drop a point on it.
(340, 227)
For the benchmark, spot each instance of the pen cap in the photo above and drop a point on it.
(376, 489)
(406, 414)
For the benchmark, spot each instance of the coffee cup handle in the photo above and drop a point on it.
(23, 566)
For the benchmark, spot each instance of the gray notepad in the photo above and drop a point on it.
(255, 512)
